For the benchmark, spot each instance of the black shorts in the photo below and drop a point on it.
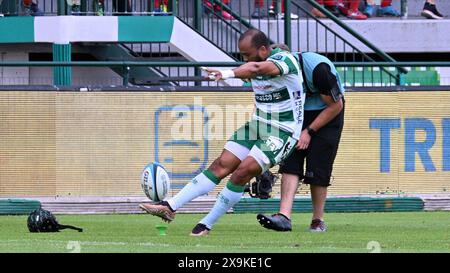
(320, 154)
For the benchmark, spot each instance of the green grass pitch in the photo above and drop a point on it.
(348, 232)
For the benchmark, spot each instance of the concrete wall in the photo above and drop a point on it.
(14, 75)
(44, 75)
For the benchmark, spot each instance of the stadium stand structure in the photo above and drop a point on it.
(372, 76)
(114, 29)
(211, 38)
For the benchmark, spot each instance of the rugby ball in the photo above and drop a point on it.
(155, 182)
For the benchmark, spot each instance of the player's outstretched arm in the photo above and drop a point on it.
(246, 71)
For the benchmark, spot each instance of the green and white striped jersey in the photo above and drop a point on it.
(280, 100)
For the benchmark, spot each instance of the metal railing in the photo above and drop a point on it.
(224, 32)
(161, 52)
(356, 54)
(301, 30)
(353, 74)
(223, 23)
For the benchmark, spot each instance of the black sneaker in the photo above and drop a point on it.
(430, 12)
(277, 222)
(334, 10)
(317, 225)
(200, 230)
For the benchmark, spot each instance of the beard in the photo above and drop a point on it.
(259, 58)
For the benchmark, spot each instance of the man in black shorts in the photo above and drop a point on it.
(318, 143)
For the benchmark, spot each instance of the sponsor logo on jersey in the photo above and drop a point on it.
(277, 96)
(277, 57)
(297, 95)
(264, 98)
(287, 148)
(262, 87)
(298, 110)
